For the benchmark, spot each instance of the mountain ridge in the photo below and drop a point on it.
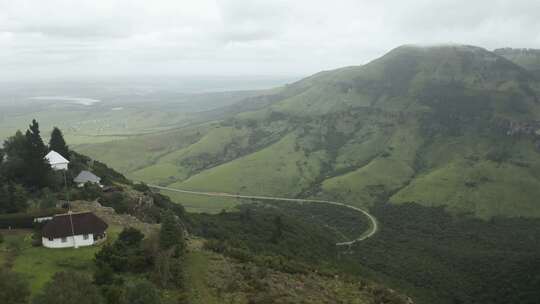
(401, 128)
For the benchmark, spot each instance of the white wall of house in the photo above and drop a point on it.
(60, 166)
(67, 242)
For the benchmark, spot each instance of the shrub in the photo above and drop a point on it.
(25, 220)
(13, 288)
(141, 187)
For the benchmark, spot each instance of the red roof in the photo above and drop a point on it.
(83, 223)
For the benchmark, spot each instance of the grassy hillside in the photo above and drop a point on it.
(527, 58)
(454, 126)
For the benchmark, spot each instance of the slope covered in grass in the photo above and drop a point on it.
(277, 170)
(454, 126)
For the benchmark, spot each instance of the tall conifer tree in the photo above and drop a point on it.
(37, 168)
(58, 144)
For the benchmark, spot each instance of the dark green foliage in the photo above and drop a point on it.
(114, 294)
(247, 235)
(25, 163)
(13, 198)
(168, 269)
(14, 168)
(104, 275)
(131, 237)
(278, 229)
(454, 108)
(69, 288)
(48, 199)
(499, 154)
(25, 220)
(13, 288)
(171, 233)
(142, 187)
(58, 144)
(126, 254)
(142, 292)
(345, 225)
(37, 169)
(440, 258)
(164, 203)
(117, 200)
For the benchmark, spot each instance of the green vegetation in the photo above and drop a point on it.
(37, 264)
(203, 204)
(267, 236)
(441, 143)
(439, 258)
(67, 288)
(58, 144)
(450, 126)
(13, 288)
(527, 58)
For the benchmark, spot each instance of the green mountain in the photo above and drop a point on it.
(527, 58)
(453, 126)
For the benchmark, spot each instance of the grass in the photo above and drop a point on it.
(381, 175)
(197, 272)
(170, 168)
(203, 204)
(39, 264)
(486, 188)
(277, 170)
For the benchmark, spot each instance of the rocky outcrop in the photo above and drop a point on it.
(112, 218)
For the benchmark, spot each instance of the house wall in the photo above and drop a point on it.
(79, 241)
(60, 166)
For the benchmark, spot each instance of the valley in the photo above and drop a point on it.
(435, 126)
(422, 166)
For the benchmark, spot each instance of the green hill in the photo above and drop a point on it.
(527, 58)
(452, 126)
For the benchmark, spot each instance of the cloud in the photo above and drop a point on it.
(229, 37)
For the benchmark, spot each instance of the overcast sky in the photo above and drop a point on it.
(59, 38)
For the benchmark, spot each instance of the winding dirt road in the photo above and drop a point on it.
(373, 226)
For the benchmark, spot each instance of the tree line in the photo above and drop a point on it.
(23, 168)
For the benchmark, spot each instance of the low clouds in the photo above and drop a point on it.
(61, 38)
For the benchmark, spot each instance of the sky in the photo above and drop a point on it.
(98, 38)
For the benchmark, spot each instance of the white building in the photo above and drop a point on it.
(87, 177)
(74, 230)
(57, 161)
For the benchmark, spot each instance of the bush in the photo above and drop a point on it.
(68, 288)
(215, 245)
(13, 288)
(25, 220)
(142, 187)
(142, 292)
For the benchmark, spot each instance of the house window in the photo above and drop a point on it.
(51, 239)
(64, 240)
(85, 237)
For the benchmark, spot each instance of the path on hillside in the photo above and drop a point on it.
(373, 225)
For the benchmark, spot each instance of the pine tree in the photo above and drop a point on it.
(14, 167)
(37, 169)
(34, 141)
(171, 233)
(58, 144)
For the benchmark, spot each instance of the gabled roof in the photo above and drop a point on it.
(86, 177)
(54, 158)
(83, 223)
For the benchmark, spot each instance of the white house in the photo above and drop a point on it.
(57, 161)
(74, 230)
(87, 177)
